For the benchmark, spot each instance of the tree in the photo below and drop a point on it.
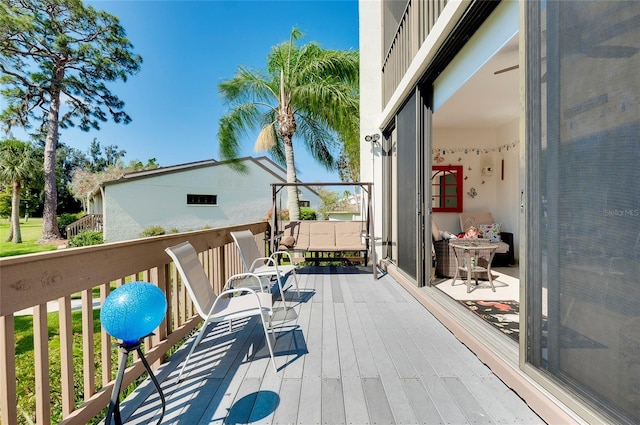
(332, 201)
(85, 181)
(136, 165)
(18, 164)
(306, 91)
(349, 160)
(55, 57)
(349, 165)
(101, 158)
(67, 160)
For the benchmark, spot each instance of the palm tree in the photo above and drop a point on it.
(306, 91)
(18, 163)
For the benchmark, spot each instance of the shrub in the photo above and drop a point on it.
(153, 231)
(66, 219)
(87, 238)
(307, 214)
(5, 203)
(283, 215)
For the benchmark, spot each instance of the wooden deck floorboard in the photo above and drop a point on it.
(351, 351)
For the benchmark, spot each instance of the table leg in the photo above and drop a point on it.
(493, 288)
(469, 265)
(455, 275)
(474, 263)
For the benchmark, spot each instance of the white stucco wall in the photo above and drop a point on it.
(472, 164)
(161, 200)
(370, 12)
(508, 202)
(494, 194)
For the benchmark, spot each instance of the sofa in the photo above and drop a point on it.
(488, 229)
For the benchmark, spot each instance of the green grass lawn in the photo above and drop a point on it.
(25, 373)
(31, 232)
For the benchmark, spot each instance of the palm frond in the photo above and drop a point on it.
(278, 155)
(267, 138)
(328, 101)
(248, 86)
(237, 166)
(314, 62)
(234, 126)
(320, 140)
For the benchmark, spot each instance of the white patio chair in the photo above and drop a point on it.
(263, 266)
(234, 303)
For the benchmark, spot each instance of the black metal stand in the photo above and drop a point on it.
(114, 404)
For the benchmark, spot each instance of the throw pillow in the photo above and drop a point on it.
(435, 231)
(448, 235)
(471, 233)
(288, 241)
(490, 231)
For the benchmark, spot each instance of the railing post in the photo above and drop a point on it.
(178, 297)
(159, 276)
(8, 397)
(66, 355)
(88, 361)
(222, 270)
(41, 364)
(105, 339)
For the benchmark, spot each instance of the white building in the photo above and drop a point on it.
(190, 196)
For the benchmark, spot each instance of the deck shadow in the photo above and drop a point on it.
(252, 407)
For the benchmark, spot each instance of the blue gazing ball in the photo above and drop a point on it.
(133, 311)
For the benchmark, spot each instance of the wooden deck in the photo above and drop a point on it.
(352, 351)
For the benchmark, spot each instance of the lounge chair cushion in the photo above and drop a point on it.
(322, 236)
(349, 235)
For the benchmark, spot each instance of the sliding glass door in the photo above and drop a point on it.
(407, 187)
(407, 146)
(583, 200)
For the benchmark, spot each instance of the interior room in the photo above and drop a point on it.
(476, 135)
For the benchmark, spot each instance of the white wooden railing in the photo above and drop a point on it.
(32, 281)
(414, 27)
(90, 222)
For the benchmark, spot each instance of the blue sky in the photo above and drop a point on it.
(188, 47)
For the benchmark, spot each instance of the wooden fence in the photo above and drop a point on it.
(32, 281)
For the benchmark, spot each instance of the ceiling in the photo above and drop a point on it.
(485, 100)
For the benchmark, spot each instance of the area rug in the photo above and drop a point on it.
(505, 315)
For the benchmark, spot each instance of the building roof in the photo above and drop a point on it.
(267, 164)
(263, 162)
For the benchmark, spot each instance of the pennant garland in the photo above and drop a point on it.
(471, 150)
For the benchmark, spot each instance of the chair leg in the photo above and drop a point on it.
(279, 280)
(193, 347)
(268, 338)
(295, 280)
(271, 322)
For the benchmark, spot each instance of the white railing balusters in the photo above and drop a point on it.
(413, 29)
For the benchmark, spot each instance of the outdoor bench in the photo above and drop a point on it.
(345, 240)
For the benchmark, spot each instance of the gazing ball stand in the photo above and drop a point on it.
(129, 314)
